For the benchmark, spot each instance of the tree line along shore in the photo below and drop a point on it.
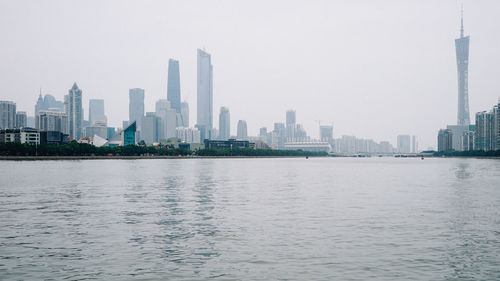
(88, 150)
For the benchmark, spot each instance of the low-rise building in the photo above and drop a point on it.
(230, 143)
(24, 135)
(309, 146)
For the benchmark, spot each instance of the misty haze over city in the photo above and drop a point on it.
(375, 69)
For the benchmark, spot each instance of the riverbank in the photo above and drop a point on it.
(36, 158)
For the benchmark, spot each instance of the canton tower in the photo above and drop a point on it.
(462, 50)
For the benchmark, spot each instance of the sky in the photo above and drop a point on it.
(375, 69)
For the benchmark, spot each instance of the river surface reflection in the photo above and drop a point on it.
(250, 219)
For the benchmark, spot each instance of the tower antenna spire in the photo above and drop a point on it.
(462, 21)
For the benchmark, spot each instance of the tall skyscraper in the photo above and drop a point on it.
(462, 51)
(242, 133)
(73, 108)
(7, 115)
(96, 111)
(204, 95)
(174, 89)
(224, 123)
(185, 114)
(136, 106)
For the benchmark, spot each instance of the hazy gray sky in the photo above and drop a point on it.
(375, 69)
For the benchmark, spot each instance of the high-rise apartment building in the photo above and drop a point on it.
(7, 115)
(174, 89)
(224, 123)
(462, 53)
(242, 133)
(96, 111)
(204, 94)
(136, 106)
(73, 108)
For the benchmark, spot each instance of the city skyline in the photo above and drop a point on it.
(268, 96)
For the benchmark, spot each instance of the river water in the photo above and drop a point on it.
(250, 219)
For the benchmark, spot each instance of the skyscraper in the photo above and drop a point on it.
(73, 108)
(7, 115)
(462, 52)
(136, 107)
(96, 111)
(52, 121)
(224, 123)
(204, 94)
(185, 114)
(21, 119)
(167, 120)
(290, 124)
(174, 89)
(48, 102)
(242, 133)
(149, 132)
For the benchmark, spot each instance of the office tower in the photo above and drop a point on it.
(124, 124)
(185, 114)
(96, 111)
(167, 120)
(136, 107)
(290, 125)
(326, 133)
(224, 123)
(149, 132)
(462, 53)
(242, 130)
(48, 102)
(7, 115)
(21, 119)
(445, 137)
(204, 95)
(73, 108)
(174, 88)
(52, 121)
(403, 144)
(414, 144)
